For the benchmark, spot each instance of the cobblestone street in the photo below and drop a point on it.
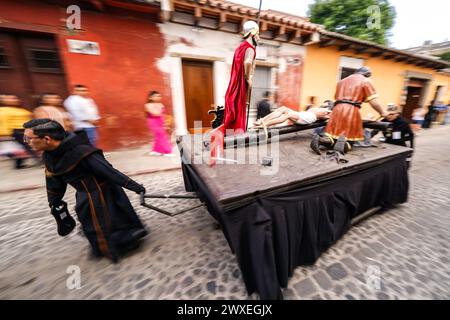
(187, 257)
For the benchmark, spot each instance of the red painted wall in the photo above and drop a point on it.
(119, 78)
(289, 82)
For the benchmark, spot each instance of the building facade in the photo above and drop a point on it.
(114, 53)
(184, 49)
(406, 79)
(201, 37)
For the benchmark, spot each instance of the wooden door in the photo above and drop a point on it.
(14, 77)
(29, 66)
(44, 65)
(198, 92)
(412, 101)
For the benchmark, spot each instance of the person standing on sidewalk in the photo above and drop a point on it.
(417, 119)
(12, 116)
(50, 107)
(84, 112)
(109, 221)
(155, 122)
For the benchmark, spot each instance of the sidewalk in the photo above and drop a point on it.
(131, 162)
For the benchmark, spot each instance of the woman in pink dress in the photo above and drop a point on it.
(155, 122)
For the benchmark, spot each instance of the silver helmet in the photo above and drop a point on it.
(250, 27)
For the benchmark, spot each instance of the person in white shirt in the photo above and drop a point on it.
(84, 112)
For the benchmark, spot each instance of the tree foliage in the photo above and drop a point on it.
(355, 18)
(445, 56)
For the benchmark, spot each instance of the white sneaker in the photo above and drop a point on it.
(154, 153)
(168, 155)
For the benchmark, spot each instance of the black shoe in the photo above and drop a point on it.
(315, 144)
(63, 219)
(139, 233)
(94, 255)
(340, 145)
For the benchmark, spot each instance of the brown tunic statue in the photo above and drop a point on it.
(345, 124)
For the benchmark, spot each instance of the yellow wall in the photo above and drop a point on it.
(321, 74)
(441, 80)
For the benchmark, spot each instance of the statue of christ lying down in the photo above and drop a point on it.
(286, 116)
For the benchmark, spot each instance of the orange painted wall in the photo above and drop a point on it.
(120, 77)
(320, 73)
(322, 68)
(441, 80)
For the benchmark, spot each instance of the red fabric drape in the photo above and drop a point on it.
(236, 95)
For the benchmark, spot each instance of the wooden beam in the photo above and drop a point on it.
(222, 20)
(296, 36)
(281, 31)
(165, 16)
(420, 63)
(197, 14)
(327, 43)
(140, 7)
(241, 24)
(389, 56)
(361, 50)
(312, 38)
(434, 66)
(305, 38)
(344, 47)
(263, 26)
(376, 54)
(280, 34)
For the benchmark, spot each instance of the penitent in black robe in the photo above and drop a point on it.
(103, 209)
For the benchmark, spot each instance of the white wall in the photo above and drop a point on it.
(216, 46)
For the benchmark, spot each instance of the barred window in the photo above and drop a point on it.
(44, 60)
(3, 59)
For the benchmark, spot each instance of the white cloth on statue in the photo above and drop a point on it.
(306, 117)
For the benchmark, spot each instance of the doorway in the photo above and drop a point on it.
(261, 83)
(413, 97)
(198, 92)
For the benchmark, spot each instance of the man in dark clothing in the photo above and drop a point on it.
(263, 107)
(401, 130)
(428, 119)
(103, 209)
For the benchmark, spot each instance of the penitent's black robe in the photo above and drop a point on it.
(103, 209)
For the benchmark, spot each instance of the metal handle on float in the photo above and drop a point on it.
(167, 196)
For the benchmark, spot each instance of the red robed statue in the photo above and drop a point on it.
(238, 93)
(239, 89)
